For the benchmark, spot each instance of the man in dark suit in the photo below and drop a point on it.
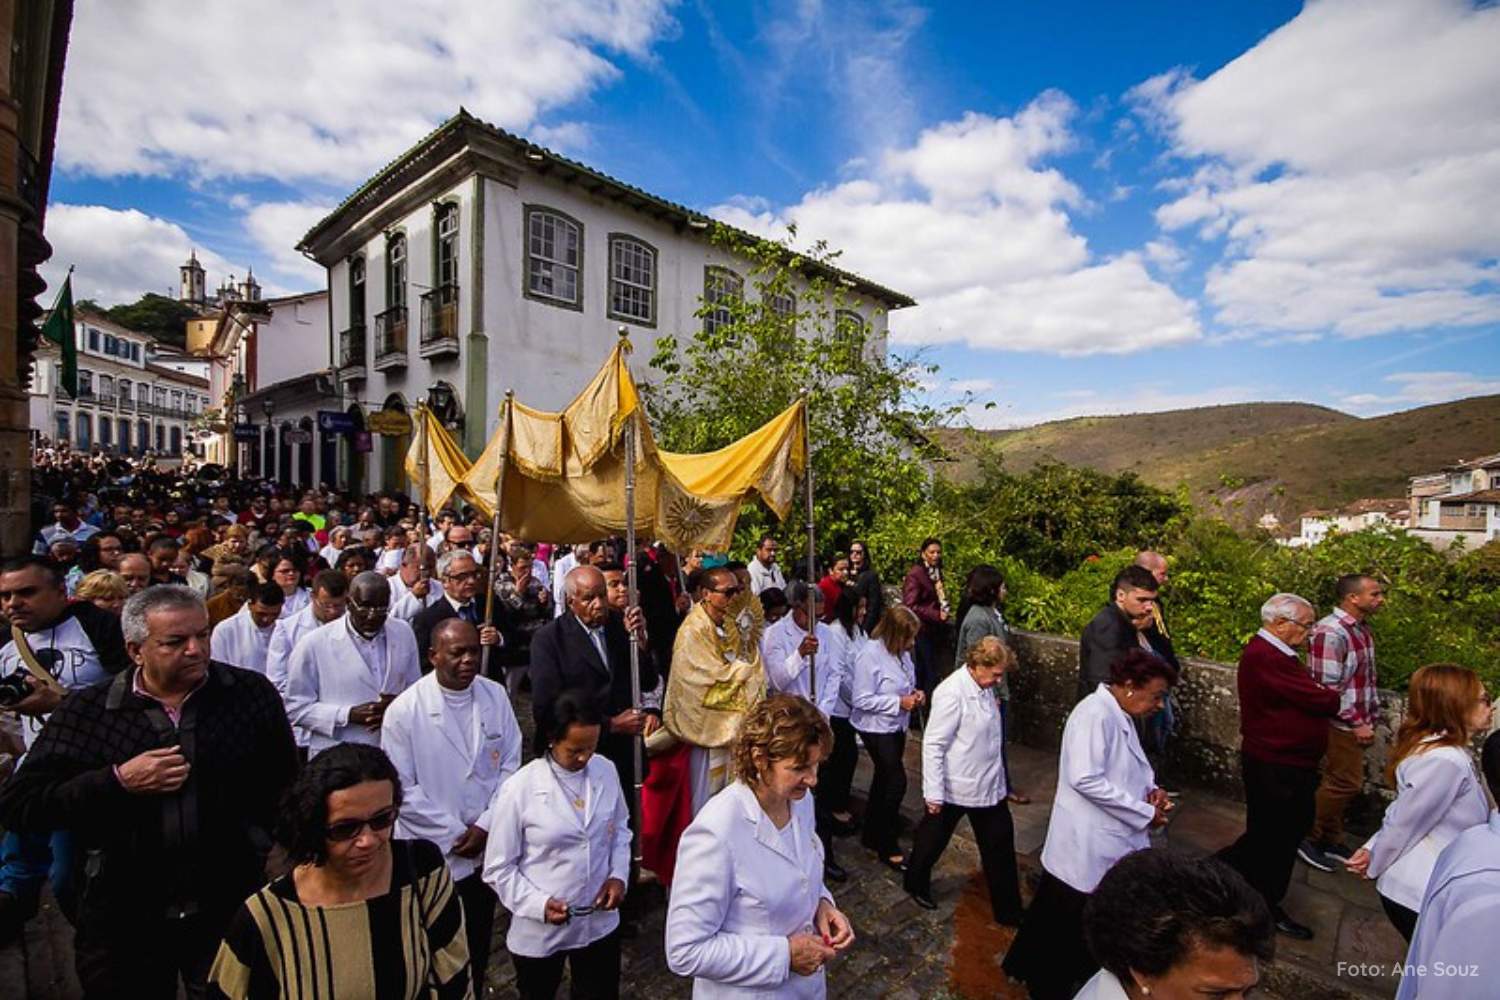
(587, 648)
(1117, 627)
(462, 581)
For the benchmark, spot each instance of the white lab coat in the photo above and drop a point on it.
(737, 895)
(880, 682)
(239, 642)
(1104, 986)
(787, 671)
(295, 602)
(407, 605)
(848, 651)
(327, 677)
(1100, 813)
(961, 744)
(565, 565)
(284, 638)
(1438, 797)
(445, 786)
(540, 848)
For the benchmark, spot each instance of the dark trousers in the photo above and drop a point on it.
(925, 658)
(887, 788)
(1279, 805)
(836, 774)
(1405, 920)
(478, 901)
(996, 836)
(595, 971)
(143, 959)
(1049, 953)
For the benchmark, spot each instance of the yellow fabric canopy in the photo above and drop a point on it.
(434, 463)
(563, 473)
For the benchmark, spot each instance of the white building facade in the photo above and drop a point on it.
(1466, 508)
(127, 402)
(478, 263)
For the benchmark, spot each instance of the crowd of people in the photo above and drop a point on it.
(268, 745)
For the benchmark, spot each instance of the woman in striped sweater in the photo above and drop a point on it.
(359, 914)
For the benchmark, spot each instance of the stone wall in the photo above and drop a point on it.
(1206, 752)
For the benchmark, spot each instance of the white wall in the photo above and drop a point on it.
(294, 342)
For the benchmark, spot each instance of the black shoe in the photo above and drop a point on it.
(898, 865)
(1314, 855)
(833, 871)
(1286, 925)
(922, 899)
(1338, 852)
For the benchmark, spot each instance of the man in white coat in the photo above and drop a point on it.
(330, 593)
(789, 644)
(415, 587)
(454, 740)
(344, 675)
(244, 638)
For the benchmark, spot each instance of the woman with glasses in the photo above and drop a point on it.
(360, 914)
(286, 573)
(1107, 802)
(1438, 791)
(558, 857)
(866, 584)
(884, 693)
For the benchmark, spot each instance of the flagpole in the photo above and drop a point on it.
(489, 597)
(812, 598)
(631, 601)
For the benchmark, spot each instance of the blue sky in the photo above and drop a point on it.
(1100, 207)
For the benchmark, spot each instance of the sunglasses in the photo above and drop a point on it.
(729, 591)
(348, 829)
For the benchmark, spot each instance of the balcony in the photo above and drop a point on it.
(440, 322)
(390, 338)
(354, 358)
(106, 400)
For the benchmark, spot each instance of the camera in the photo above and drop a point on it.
(13, 689)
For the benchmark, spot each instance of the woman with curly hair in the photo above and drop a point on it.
(1438, 791)
(360, 914)
(749, 914)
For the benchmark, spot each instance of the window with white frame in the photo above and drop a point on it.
(395, 272)
(782, 305)
(632, 280)
(357, 291)
(721, 289)
(445, 259)
(554, 257)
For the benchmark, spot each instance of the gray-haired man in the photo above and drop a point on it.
(169, 777)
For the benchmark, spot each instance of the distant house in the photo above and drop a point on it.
(1317, 525)
(1461, 502)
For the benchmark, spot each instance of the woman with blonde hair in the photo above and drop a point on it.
(1438, 791)
(104, 589)
(884, 693)
(749, 913)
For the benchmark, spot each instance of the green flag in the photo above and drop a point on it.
(59, 330)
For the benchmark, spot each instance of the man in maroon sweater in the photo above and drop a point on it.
(1284, 717)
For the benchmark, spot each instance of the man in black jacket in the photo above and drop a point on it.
(1117, 627)
(169, 778)
(78, 645)
(463, 586)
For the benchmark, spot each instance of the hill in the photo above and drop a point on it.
(1254, 458)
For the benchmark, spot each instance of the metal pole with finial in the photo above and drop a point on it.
(494, 556)
(812, 559)
(632, 601)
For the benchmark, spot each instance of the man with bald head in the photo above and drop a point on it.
(588, 648)
(1157, 730)
(343, 675)
(454, 740)
(136, 569)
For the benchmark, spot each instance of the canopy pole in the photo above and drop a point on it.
(489, 595)
(423, 434)
(812, 582)
(637, 744)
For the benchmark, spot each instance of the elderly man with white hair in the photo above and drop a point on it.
(1284, 717)
(415, 587)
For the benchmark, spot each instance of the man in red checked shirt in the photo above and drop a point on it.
(1341, 654)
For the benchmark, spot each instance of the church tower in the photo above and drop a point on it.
(250, 288)
(192, 286)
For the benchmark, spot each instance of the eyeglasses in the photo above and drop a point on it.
(374, 609)
(472, 574)
(729, 591)
(348, 829)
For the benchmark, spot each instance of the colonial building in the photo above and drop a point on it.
(478, 262)
(1317, 525)
(132, 397)
(1461, 502)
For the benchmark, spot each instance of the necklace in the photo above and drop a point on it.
(565, 780)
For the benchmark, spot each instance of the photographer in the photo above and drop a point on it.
(78, 645)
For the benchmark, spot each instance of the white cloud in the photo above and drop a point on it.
(1351, 162)
(1410, 389)
(325, 91)
(971, 222)
(276, 227)
(121, 254)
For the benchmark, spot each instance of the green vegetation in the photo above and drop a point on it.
(162, 317)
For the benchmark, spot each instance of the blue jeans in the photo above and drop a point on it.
(26, 859)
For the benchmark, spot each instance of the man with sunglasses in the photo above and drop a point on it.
(415, 587)
(462, 586)
(343, 675)
(170, 777)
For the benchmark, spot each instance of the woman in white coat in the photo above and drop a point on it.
(1438, 791)
(1167, 927)
(1106, 804)
(963, 774)
(885, 692)
(749, 914)
(558, 856)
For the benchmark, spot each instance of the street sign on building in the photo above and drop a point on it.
(391, 423)
(297, 436)
(336, 422)
(246, 432)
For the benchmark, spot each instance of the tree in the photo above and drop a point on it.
(162, 317)
(749, 361)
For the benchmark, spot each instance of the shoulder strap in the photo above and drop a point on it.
(28, 658)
